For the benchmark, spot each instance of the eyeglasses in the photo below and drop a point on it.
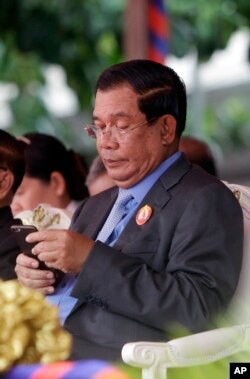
(114, 131)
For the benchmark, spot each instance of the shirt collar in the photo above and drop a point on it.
(140, 189)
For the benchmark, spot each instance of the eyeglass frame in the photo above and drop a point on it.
(120, 131)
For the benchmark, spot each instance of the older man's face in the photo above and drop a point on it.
(132, 156)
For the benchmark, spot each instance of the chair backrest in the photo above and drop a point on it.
(242, 295)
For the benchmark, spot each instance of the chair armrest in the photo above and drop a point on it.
(155, 357)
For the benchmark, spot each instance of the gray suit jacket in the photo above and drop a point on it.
(179, 268)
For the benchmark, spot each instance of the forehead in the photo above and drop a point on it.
(118, 101)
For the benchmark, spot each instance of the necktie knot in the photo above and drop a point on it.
(123, 198)
(118, 211)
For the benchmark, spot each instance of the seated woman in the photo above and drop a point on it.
(11, 174)
(98, 179)
(54, 175)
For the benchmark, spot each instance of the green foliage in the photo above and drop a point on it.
(228, 124)
(84, 37)
(215, 370)
(205, 25)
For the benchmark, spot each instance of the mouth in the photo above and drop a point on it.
(111, 163)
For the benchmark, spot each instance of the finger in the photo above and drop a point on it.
(50, 248)
(24, 260)
(41, 280)
(51, 252)
(34, 274)
(38, 286)
(45, 235)
(54, 265)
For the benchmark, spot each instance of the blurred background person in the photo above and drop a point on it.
(198, 152)
(11, 175)
(54, 175)
(98, 179)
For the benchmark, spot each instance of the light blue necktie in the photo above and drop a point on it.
(117, 213)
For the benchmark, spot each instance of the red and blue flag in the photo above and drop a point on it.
(158, 21)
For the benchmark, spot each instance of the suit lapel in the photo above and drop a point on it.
(157, 198)
(98, 207)
(99, 211)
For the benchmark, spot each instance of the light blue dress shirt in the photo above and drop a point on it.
(61, 297)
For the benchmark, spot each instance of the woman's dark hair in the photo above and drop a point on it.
(198, 152)
(12, 157)
(45, 154)
(161, 90)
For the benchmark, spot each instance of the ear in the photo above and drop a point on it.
(6, 183)
(168, 129)
(58, 183)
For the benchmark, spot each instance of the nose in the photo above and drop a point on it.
(107, 140)
(15, 208)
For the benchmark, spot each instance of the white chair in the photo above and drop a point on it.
(242, 294)
(154, 358)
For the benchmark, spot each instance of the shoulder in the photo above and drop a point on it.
(183, 175)
(94, 205)
(5, 215)
(186, 183)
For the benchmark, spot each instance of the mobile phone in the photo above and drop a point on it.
(20, 233)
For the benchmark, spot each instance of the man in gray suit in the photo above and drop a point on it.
(174, 258)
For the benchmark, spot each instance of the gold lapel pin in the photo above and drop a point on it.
(143, 215)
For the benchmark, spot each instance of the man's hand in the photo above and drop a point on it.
(30, 276)
(61, 249)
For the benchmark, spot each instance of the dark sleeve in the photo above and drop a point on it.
(8, 254)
